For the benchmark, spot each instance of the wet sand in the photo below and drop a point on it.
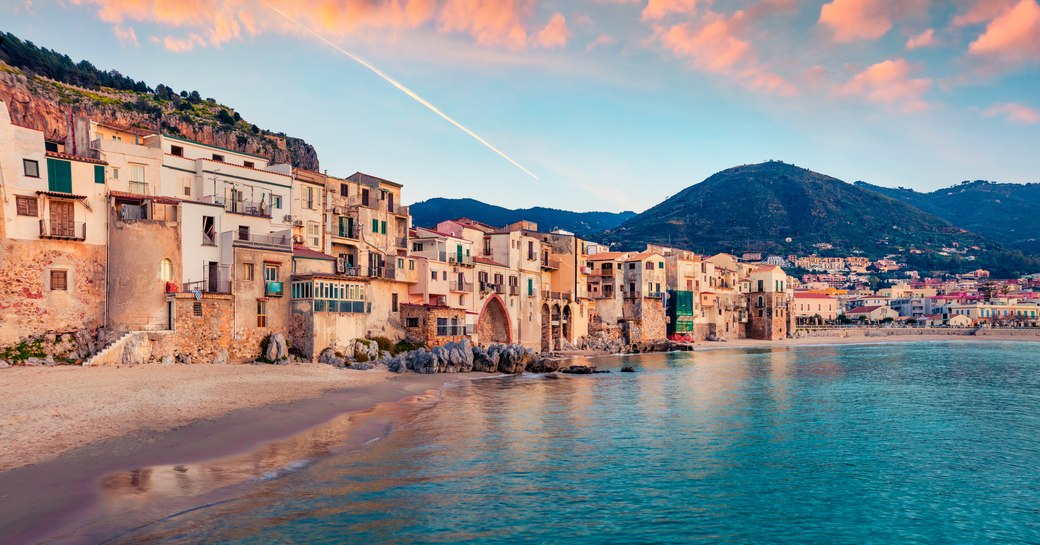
(50, 496)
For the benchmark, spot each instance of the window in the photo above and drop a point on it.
(411, 264)
(344, 190)
(276, 201)
(364, 197)
(314, 232)
(261, 313)
(530, 251)
(115, 173)
(243, 232)
(59, 176)
(165, 270)
(375, 227)
(27, 206)
(59, 280)
(187, 191)
(382, 227)
(661, 265)
(197, 309)
(310, 198)
(248, 271)
(32, 168)
(411, 322)
(530, 287)
(393, 302)
(136, 173)
(209, 231)
(760, 286)
(218, 157)
(270, 272)
(416, 246)
(249, 164)
(649, 266)
(177, 150)
(444, 275)
(433, 275)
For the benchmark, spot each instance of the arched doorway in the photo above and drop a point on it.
(493, 323)
(568, 330)
(546, 329)
(555, 325)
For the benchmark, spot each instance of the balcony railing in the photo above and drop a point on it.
(248, 208)
(500, 289)
(214, 280)
(586, 270)
(398, 210)
(551, 263)
(464, 287)
(514, 290)
(346, 232)
(139, 188)
(402, 242)
(273, 289)
(464, 260)
(653, 295)
(66, 230)
(277, 241)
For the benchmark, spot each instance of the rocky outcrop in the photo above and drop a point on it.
(277, 349)
(45, 105)
(463, 357)
(601, 342)
(136, 351)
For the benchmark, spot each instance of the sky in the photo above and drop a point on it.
(593, 104)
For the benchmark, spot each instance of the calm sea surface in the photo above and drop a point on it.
(901, 443)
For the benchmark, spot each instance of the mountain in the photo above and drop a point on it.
(41, 87)
(780, 208)
(1005, 213)
(431, 212)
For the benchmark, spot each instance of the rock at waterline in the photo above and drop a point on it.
(628, 370)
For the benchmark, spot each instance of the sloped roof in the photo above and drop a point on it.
(307, 253)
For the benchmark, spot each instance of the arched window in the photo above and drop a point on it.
(166, 270)
(761, 302)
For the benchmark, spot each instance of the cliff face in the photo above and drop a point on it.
(45, 105)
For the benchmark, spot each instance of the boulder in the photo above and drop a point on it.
(136, 351)
(397, 364)
(4, 364)
(277, 348)
(221, 358)
(627, 369)
(184, 359)
(579, 370)
(328, 356)
(361, 365)
(421, 361)
(167, 360)
(34, 362)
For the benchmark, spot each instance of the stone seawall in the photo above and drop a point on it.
(851, 332)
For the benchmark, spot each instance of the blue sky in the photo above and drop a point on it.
(613, 104)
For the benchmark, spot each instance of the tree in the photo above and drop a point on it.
(225, 118)
(194, 97)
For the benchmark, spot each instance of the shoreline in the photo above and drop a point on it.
(67, 488)
(70, 486)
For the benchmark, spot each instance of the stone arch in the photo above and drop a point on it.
(493, 324)
(546, 329)
(556, 322)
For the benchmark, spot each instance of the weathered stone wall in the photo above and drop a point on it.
(29, 308)
(769, 321)
(136, 292)
(248, 333)
(204, 337)
(426, 331)
(647, 322)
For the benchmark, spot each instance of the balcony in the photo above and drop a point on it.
(463, 260)
(279, 242)
(514, 290)
(653, 295)
(260, 209)
(551, 264)
(140, 188)
(273, 289)
(63, 230)
(215, 280)
(398, 210)
(350, 232)
(586, 270)
(462, 287)
(402, 242)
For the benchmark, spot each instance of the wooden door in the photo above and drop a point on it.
(62, 224)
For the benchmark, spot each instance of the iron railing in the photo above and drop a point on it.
(68, 230)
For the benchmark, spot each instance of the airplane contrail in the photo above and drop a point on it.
(404, 90)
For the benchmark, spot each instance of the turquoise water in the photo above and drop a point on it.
(907, 443)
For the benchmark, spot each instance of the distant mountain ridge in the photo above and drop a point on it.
(433, 211)
(775, 207)
(1005, 213)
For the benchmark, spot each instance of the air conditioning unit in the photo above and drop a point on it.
(287, 218)
(339, 210)
(341, 265)
(297, 239)
(298, 223)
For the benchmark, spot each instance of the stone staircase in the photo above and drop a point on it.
(112, 349)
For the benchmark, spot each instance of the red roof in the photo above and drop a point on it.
(864, 310)
(71, 157)
(307, 253)
(487, 261)
(809, 295)
(153, 198)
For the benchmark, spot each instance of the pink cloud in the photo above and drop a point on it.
(1015, 113)
(982, 11)
(494, 23)
(126, 35)
(856, 20)
(600, 41)
(924, 39)
(714, 43)
(659, 9)
(1012, 37)
(890, 83)
(555, 34)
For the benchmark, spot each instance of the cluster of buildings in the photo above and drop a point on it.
(125, 229)
(963, 302)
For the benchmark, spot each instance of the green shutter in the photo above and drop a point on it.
(530, 287)
(375, 226)
(382, 227)
(99, 174)
(59, 176)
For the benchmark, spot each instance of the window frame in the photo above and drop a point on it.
(35, 164)
(27, 200)
(63, 274)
